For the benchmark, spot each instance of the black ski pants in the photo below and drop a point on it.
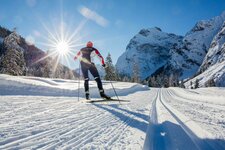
(93, 70)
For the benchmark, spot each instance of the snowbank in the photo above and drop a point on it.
(16, 85)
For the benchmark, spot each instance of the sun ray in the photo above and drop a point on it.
(52, 36)
(45, 57)
(45, 44)
(60, 42)
(56, 64)
(77, 30)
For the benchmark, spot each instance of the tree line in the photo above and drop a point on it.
(160, 80)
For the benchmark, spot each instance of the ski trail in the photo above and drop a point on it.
(39, 134)
(210, 117)
(194, 101)
(84, 139)
(169, 129)
(42, 122)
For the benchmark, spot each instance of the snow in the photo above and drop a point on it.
(215, 72)
(216, 52)
(197, 42)
(43, 113)
(149, 49)
(159, 53)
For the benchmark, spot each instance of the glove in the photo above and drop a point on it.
(75, 58)
(104, 66)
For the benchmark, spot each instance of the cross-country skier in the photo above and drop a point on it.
(85, 55)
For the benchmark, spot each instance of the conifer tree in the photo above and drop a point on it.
(12, 61)
(196, 83)
(110, 72)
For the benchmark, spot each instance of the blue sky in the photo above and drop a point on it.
(112, 23)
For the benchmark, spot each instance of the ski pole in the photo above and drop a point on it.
(114, 89)
(78, 91)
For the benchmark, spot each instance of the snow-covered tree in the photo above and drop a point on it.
(196, 83)
(182, 84)
(136, 72)
(110, 72)
(12, 61)
(191, 84)
(210, 83)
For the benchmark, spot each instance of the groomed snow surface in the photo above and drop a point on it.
(41, 113)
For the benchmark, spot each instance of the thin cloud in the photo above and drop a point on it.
(94, 16)
(36, 33)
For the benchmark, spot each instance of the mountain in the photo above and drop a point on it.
(212, 70)
(17, 57)
(149, 50)
(216, 52)
(185, 57)
(188, 57)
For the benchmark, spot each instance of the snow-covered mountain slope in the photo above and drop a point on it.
(148, 50)
(43, 113)
(213, 76)
(188, 56)
(216, 53)
(159, 53)
(213, 66)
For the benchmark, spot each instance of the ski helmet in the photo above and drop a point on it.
(89, 44)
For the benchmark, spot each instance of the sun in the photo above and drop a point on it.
(62, 47)
(61, 42)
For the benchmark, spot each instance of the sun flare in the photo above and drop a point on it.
(61, 42)
(62, 47)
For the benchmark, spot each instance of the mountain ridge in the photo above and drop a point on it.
(185, 57)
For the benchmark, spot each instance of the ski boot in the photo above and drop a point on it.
(104, 96)
(87, 96)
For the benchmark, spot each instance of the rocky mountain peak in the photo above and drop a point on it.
(149, 49)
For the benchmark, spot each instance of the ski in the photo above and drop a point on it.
(105, 100)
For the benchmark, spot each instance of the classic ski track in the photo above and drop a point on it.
(74, 130)
(80, 135)
(148, 143)
(180, 98)
(197, 141)
(50, 132)
(39, 123)
(52, 108)
(90, 136)
(118, 131)
(187, 102)
(121, 130)
(47, 122)
(33, 137)
(27, 106)
(154, 119)
(124, 129)
(202, 114)
(47, 132)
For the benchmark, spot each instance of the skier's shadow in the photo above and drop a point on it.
(139, 115)
(161, 136)
(168, 135)
(129, 120)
